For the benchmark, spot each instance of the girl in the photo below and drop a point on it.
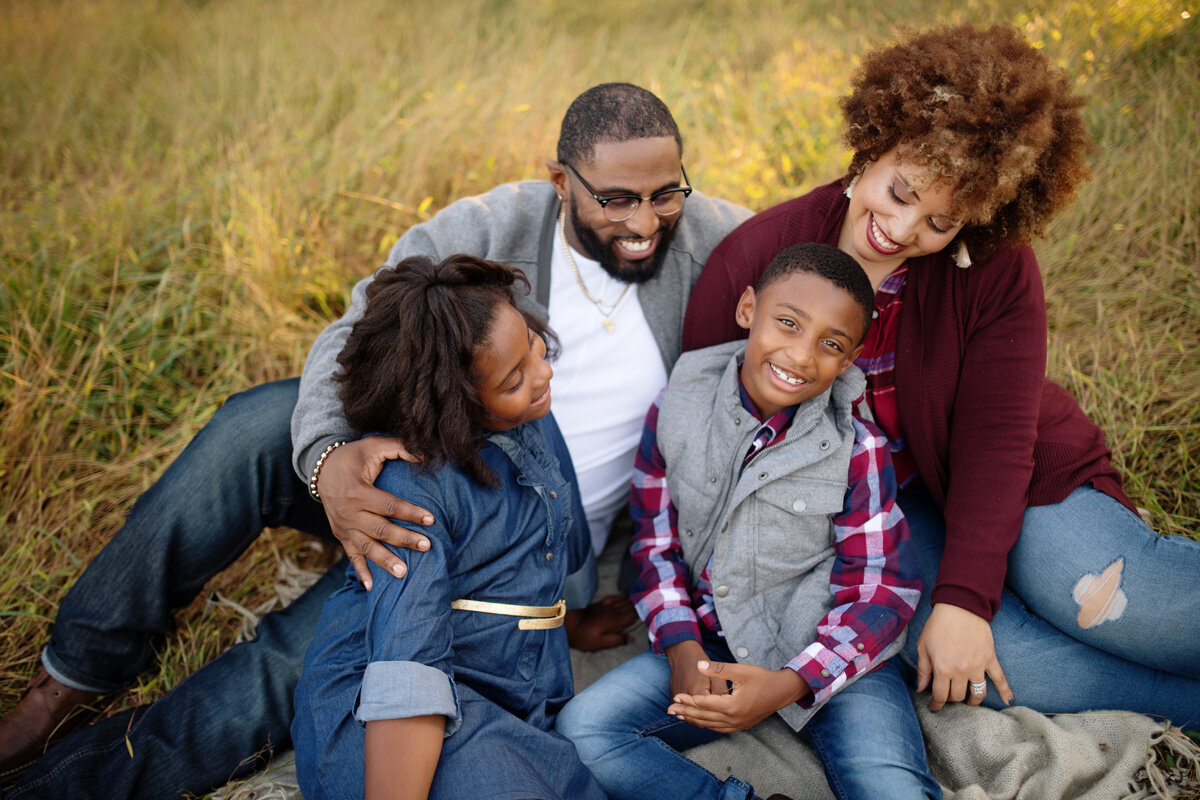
(446, 683)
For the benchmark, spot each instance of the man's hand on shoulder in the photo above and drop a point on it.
(359, 514)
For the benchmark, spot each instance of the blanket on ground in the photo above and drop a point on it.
(975, 753)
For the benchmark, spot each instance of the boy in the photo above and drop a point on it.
(768, 585)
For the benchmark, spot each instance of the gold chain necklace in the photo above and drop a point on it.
(606, 310)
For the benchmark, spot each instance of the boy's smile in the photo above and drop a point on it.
(804, 333)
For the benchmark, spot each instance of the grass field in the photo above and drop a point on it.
(189, 189)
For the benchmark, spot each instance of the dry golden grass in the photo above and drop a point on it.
(188, 189)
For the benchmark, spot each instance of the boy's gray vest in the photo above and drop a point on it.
(771, 529)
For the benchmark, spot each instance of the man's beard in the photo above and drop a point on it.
(630, 271)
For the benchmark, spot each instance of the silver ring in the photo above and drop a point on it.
(978, 688)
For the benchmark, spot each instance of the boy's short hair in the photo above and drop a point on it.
(827, 262)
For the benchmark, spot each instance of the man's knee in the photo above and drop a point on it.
(251, 424)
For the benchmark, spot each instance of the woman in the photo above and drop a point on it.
(1038, 572)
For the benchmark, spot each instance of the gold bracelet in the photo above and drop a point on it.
(312, 482)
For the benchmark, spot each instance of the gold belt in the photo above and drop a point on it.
(537, 617)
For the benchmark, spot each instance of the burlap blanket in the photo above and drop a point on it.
(975, 753)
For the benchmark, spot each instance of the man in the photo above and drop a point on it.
(620, 186)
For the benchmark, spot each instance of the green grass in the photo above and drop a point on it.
(189, 189)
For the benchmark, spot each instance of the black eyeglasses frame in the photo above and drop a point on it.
(685, 190)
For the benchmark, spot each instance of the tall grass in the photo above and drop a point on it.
(188, 190)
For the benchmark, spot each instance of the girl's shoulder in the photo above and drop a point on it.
(504, 452)
(422, 484)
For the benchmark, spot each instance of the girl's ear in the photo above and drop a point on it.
(745, 308)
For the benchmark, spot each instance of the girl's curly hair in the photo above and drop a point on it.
(407, 368)
(982, 110)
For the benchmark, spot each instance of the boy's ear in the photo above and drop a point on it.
(745, 309)
(558, 177)
(851, 357)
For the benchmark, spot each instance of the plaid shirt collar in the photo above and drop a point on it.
(770, 431)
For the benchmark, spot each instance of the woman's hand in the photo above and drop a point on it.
(757, 693)
(359, 513)
(956, 649)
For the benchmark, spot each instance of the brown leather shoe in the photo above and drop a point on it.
(49, 711)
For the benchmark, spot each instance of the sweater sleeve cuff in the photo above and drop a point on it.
(402, 689)
(308, 457)
(963, 598)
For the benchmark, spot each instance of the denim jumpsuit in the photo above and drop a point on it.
(399, 650)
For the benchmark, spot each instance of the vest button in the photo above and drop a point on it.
(712, 479)
(799, 506)
(690, 533)
(824, 445)
(742, 652)
(762, 476)
(722, 591)
(737, 420)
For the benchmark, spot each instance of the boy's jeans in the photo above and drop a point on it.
(867, 738)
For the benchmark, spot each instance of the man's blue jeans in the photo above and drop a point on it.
(1137, 651)
(867, 738)
(232, 480)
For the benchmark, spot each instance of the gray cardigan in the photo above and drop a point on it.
(768, 527)
(515, 225)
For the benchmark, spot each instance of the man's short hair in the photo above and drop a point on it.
(613, 112)
(828, 262)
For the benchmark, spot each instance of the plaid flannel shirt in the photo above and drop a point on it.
(874, 563)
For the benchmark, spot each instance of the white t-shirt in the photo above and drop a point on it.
(604, 382)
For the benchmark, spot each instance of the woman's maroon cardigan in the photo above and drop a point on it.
(989, 434)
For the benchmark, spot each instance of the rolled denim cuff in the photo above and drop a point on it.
(66, 680)
(402, 689)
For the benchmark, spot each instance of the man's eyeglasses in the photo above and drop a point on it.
(620, 207)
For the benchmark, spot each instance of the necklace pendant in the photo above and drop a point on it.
(608, 325)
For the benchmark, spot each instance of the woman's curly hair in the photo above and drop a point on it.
(982, 110)
(407, 368)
